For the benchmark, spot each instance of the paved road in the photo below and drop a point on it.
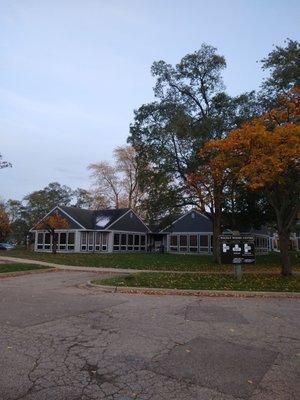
(61, 341)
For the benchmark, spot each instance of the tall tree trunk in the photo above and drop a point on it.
(284, 244)
(116, 200)
(217, 229)
(54, 242)
(130, 199)
(286, 206)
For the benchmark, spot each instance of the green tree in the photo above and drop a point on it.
(38, 203)
(192, 108)
(83, 198)
(283, 64)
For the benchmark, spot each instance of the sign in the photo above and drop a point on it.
(237, 249)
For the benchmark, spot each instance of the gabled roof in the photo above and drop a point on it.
(94, 219)
(192, 221)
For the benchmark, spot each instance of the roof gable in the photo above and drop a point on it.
(192, 221)
(129, 222)
(57, 210)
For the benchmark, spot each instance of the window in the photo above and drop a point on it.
(143, 242)
(83, 241)
(136, 242)
(40, 241)
(123, 242)
(40, 238)
(98, 237)
(130, 242)
(104, 241)
(71, 241)
(47, 238)
(173, 243)
(193, 243)
(62, 240)
(91, 241)
(65, 241)
(203, 243)
(183, 243)
(116, 241)
(47, 241)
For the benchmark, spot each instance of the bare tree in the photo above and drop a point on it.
(126, 162)
(118, 182)
(106, 181)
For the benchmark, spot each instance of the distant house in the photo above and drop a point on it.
(94, 231)
(122, 230)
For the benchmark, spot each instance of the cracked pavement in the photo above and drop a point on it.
(60, 340)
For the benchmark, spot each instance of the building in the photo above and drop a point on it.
(122, 230)
(94, 231)
(191, 233)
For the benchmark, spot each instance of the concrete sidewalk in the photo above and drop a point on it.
(70, 267)
(122, 270)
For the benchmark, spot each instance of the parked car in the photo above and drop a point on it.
(6, 246)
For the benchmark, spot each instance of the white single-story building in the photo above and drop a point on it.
(122, 230)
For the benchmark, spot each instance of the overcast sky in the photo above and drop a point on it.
(72, 72)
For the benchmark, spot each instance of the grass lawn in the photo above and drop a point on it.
(12, 267)
(273, 283)
(154, 261)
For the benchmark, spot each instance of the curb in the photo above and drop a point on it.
(190, 292)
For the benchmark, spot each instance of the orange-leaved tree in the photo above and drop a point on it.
(51, 224)
(265, 154)
(5, 227)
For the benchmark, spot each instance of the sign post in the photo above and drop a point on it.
(237, 250)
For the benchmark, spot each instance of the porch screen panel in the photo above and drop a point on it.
(71, 241)
(174, 243)
(104, 241)
(116, 241)
(40, 241)
(193, 243)
(204, 243)
(123, 242)
(136, 242)
(83, 241)
(183, 243)
(130, 242)
(47, 241)
(143, 242)
(98, 237)
(91, 241)
(62, 240)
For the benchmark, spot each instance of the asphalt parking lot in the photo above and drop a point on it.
(63, 341)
